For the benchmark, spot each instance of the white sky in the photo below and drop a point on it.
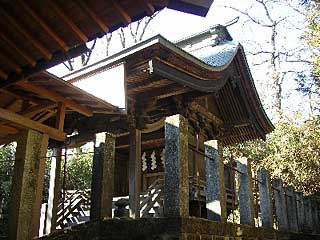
(175, 25)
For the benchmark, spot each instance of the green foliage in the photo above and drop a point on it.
(79, 171)
(6, 171)
(313, 38)
(291, 152)
(313, 34)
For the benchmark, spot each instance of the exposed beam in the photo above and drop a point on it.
(12, 45)
(13, 65)
(9, 139)
(125, 17)
(3, 74)
(30, 112)
(68, 21)
(19, 96)
(27, 123)
(44, 25)
(42, 49)
(53, 96)
(164, 92)
(154, 142)
(61, 113)
(46, 116)
(8, 129)
(93, 15)
(205, 112)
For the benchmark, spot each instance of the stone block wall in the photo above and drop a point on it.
(171, 229)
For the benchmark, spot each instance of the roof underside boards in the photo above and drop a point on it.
(36, 35)
(37, 99)
(162, 79)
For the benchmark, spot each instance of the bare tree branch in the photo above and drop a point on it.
(256, 21)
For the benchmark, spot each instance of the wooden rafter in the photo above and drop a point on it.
(93, 15)
(8, 129)
(30, 112)
(44, 25)
(44, 51)
(68, 21)
(21, 96)
(28, 123)
(198, 108)
(147, 6)
(53, 96)
(46, 116)
(172, 89)
(125, 17)
(3, 75)
(12, 45)
(12, 64)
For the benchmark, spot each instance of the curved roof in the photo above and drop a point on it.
(160, 70)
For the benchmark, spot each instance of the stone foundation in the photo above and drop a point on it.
(171, 229)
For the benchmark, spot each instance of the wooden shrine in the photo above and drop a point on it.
(33, 104)
(214, 92)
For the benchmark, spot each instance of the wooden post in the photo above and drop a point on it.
(54, 191)
(135, 173)
(215, 183)
(25, 194)
(102, 176)
(55, 171)
(176, 181)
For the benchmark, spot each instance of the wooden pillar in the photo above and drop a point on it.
(215, 183)
(135, 173)
(280, 205)
(26, 192)
(176, 181)
(265, 191)
(55, 171)
(102, 185)
(54, 191)
(245, 192)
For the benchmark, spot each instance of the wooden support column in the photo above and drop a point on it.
(54, 191)
(215, 183)
(135, 173)
(245, 191)
(55, 171)
(26, 189)
(102, 185)
(265, 191)
(176, 181)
